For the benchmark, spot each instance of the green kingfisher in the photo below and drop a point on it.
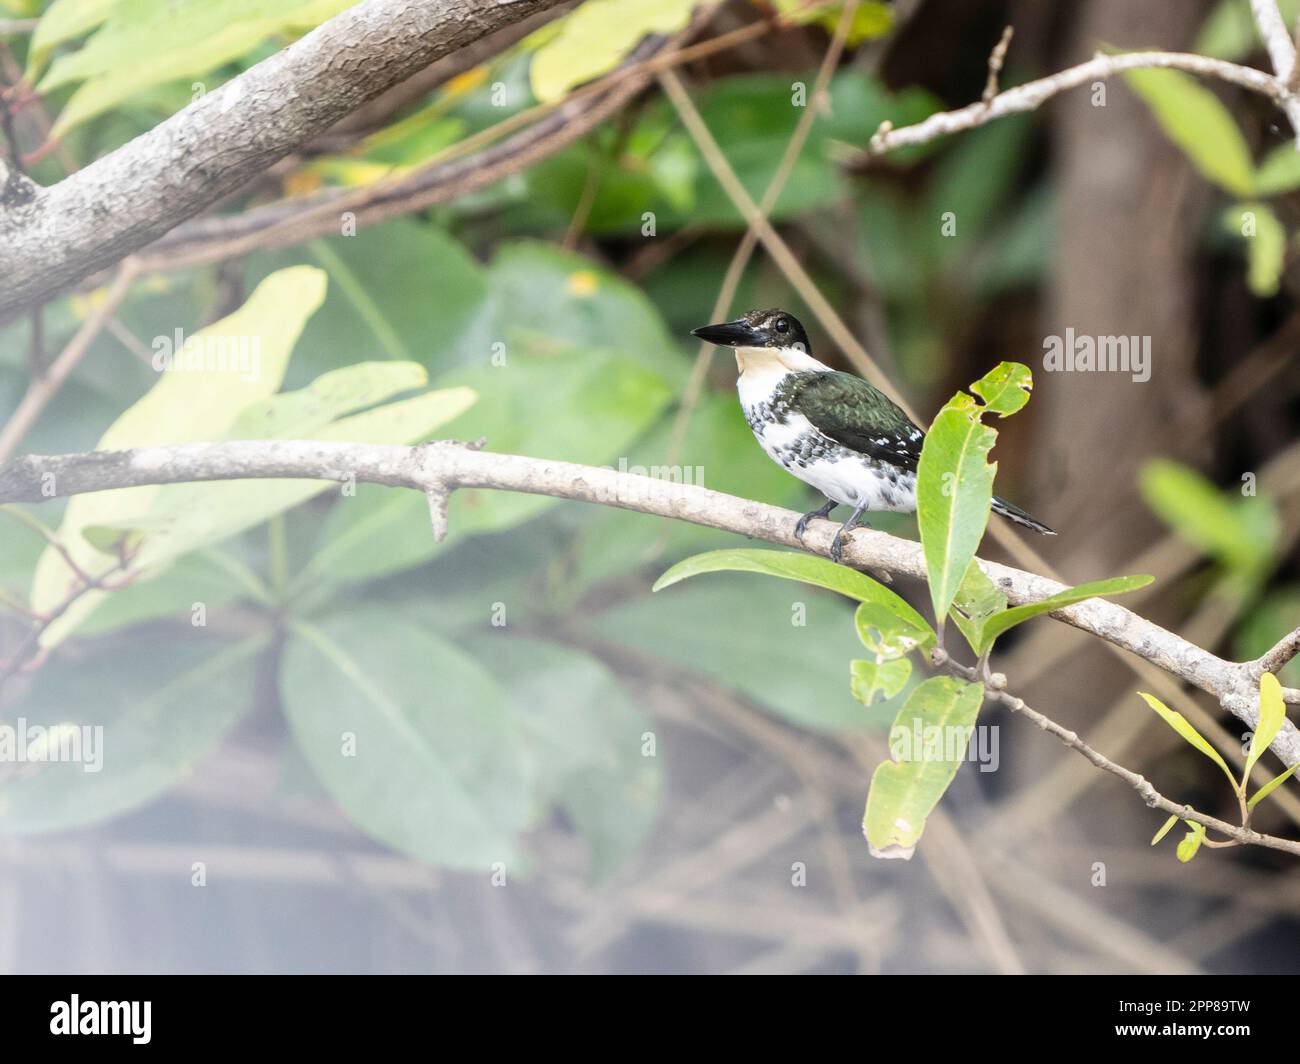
(830, 429)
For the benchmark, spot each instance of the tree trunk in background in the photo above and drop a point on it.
(1130, 209)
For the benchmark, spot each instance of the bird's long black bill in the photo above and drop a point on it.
(729, 334)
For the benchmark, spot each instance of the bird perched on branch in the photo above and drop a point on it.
(830, 429)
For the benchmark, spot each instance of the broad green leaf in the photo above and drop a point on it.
(886, 634)
(1008, 619)
(161, 710)
(869, 678)
(1272, 715)
(594, 39)
(1279, 172)
(249, 350)
(1191, 843)
(1181, 725)
(181, 38)
(1194, 119)
(404, 286)
(569, 404)
(781, 646)
(1240, 532)
(955, 479)
(64, 20)
(905, 791)
(1165, 829)
(1271, 786)
(808, 569)
(412, 737)
(978, 599)
(588, 739)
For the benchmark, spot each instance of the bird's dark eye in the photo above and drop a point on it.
(782, 325)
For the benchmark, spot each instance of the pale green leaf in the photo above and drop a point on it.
(1183, 727)
(904, 792)
(594, 39)
(1194, 119)
(1279, 172)
(1272, 715)
(870, 678)
(1000, 623)
(412, 737)
(1164, 830)
(807, 569)
(1191, 843)
(1271, 786)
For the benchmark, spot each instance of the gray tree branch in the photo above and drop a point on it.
(438, 469)
(52, 237)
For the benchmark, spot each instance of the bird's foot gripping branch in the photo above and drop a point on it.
(954, 500)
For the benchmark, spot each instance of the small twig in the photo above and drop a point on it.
(996, 59)
(1277, 657)
(1237, 835)
(40, 390)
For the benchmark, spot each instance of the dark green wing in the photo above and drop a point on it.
(853, 413)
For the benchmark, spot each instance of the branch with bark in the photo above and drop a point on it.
(439, 469)
(53, 237)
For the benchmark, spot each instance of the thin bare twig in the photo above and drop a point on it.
(996, 58)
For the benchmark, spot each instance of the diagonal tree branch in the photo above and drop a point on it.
(53, 237)
(439, 469)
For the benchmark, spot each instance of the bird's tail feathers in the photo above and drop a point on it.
(1014, 513)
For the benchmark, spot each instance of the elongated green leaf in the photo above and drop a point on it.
(904, 792)
(161, 710)
(1181, 725)
(1271, 786)
(1272, 715)
(807, 569)
(1194, 119)
(595, 38)
(411, 736)
(1165, 829)
(1240, 532)
(955, 479)
(243, 359)
(1265, 240)
(1116, 585)
(1187, 849)
(1279, 172)
(182, 38)
(589, 740)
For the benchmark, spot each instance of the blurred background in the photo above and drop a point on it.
(552, 769)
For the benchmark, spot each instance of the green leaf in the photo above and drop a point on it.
(871, 18)
(1194, 119)
(1271, 786)
(64, 20)
(1240, 532)
(905, 791)
(1272, 715)
(1191, 843)
(1279, 172)
(161, 713)
(594, 39)
(412, 737)
(1164, 830)
(1229, 31)
(1181, 725)
(807, 569)
(572, 405)
(1116, 585)
(955, 479)
(588, 739)
(184, 406)
(869, 678)
(181, 38)
(1265, 244)
(978, 599)
(782, 647)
